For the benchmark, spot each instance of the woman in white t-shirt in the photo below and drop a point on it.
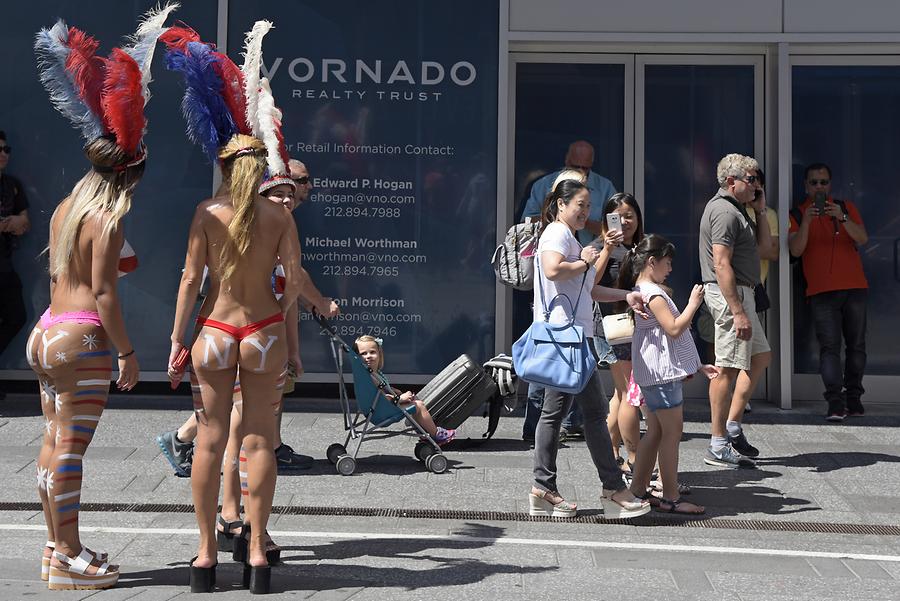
(567, 268)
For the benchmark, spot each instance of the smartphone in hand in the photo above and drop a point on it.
(819, 202)
(614, 222)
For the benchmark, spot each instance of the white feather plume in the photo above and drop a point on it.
(251, 68)
(269, 123)
(143, 42)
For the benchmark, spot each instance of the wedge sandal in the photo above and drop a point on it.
(73, 575)
(45, 560)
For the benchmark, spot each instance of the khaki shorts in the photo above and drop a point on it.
(730, 351)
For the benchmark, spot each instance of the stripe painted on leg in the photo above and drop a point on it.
(87, 354)
(99, 402)
(70, 456)
(68, 468)
(85, 418)
(68, 495)
(588, 544)
(78, 440)
(70, 507)
(68, 478)
(71, 520)
(91, 382)
(84, 429)
(87, 392)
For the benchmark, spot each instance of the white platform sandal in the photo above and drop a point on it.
(45, 560)
(75, 576)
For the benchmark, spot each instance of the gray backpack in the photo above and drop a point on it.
(513, 260)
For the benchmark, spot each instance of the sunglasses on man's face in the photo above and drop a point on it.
(818, 182)
(302, 181)
(6, 149)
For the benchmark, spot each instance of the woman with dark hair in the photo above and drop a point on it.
(664, 355)
(624, 418)
(564, 267)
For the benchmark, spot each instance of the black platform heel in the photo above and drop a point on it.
(225, 539)
(203, 580)
(241, 543)
(258, 579)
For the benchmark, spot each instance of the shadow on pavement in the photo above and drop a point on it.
(723, 494)
(309, 568)
(825, 462)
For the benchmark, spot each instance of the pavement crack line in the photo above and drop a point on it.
(574, 544)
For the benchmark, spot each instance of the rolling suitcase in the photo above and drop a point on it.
(457, 392)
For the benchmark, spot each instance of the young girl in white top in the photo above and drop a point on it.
(663, 355)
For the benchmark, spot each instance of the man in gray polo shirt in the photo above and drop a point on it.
(729, 265)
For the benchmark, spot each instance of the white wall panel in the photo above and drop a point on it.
(861, 16)
(651, 16)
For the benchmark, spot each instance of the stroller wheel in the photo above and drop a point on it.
(423, 450)
(437, 463)
(346, 465)
(334, 451)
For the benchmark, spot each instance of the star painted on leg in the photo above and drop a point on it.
(61, 357)
(42, 477)
(48, 425)
(57, 403)
(90, 341)
(58, 435)
(49, 480)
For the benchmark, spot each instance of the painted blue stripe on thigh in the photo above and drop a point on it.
(71, 507)
(94, 354)
(69, 468)
(87, 392)
(84, 429)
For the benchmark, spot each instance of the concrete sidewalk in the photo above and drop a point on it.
(836, 481)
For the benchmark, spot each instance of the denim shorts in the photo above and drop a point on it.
(663, 396)
(622, 351)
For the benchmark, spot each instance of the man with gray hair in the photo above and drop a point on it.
(729, 265)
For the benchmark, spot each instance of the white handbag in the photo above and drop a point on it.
(618, 328)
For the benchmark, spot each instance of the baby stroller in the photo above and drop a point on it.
(374, 411)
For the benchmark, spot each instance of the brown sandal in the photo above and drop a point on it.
(670, 506)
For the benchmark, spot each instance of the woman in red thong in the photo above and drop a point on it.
(70, 350)
(239, 236)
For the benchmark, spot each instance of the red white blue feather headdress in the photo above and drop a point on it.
(102, 96)
(221, 100)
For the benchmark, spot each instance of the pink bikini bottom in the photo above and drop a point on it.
(92, 317)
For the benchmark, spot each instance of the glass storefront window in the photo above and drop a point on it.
(846, 117)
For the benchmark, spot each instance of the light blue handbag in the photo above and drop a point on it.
(555, 356)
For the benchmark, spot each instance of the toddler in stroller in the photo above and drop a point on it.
(370, 350)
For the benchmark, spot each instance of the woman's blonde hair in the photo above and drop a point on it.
(377, 341)
(565, 174)
(106, 188)
(243, 166)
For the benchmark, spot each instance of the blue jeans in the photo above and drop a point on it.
(573, 420)
(837, 313)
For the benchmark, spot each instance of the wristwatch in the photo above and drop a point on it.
(844, 218)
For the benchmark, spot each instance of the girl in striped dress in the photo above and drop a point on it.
(663, 355)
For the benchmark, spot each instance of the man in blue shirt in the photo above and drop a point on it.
(580, 157)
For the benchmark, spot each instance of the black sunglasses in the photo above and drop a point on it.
(302, 181)
(818, 182)
(6, 149)
(750, 179)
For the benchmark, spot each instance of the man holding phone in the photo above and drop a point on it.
(826, 237)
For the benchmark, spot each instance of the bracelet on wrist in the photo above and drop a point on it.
(128, 354)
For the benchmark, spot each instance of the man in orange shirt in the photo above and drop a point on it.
(826, 239)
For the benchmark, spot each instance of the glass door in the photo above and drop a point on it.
(844, 113)
(691, 111)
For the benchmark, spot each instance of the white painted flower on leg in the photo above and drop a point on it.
(42, 477)
(90, 341)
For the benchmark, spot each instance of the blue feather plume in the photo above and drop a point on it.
(209, 122)
(52, 51)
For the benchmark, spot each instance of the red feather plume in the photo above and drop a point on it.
(87, 69)
(178, 36)
(123, 102)
(233, 92)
